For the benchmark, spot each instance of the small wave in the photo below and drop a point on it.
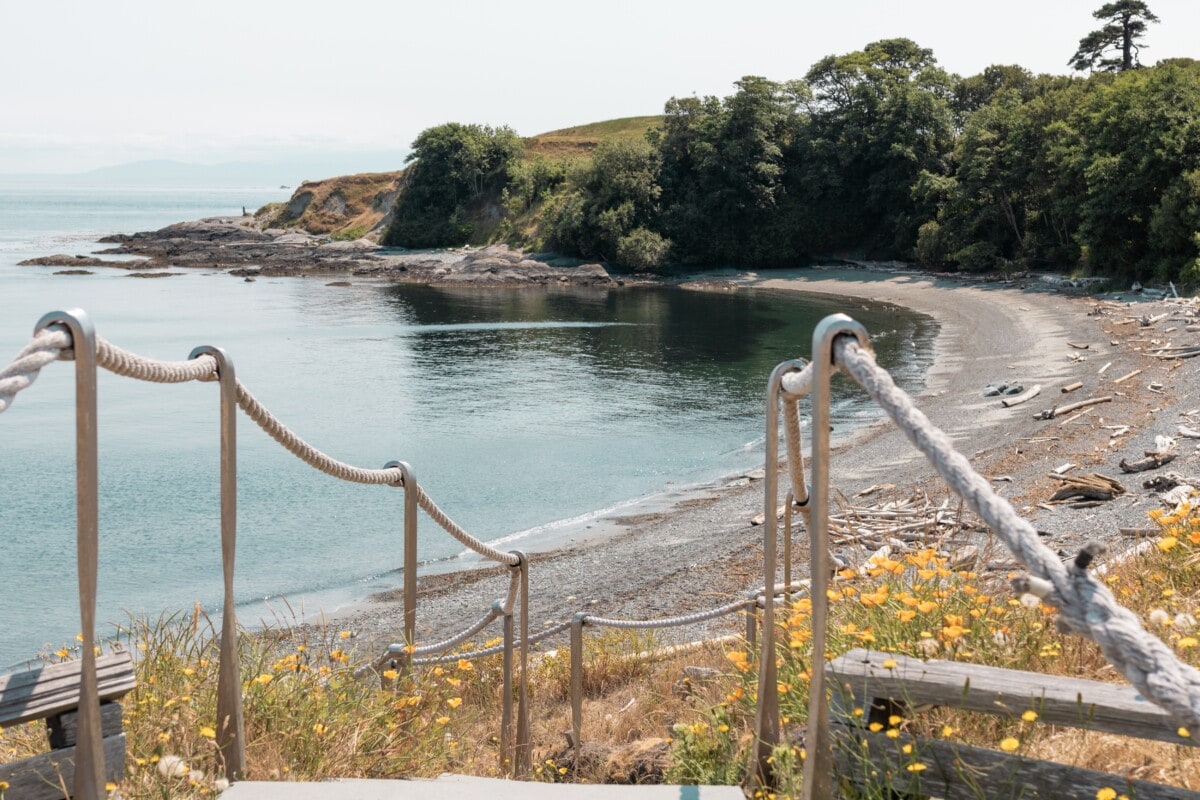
(508, 326)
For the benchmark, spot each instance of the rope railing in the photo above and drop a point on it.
(1086, 605)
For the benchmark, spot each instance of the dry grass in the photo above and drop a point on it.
(308, 717)
(583, 139)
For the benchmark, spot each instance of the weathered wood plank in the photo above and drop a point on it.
(43, 777)
(961, 772)
(1073, 702)
(63, 729)
(54, 688)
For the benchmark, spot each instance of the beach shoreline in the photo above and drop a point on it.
(704, 552)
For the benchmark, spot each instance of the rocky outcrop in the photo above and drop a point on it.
(335, 205)
(236, 244)
(61, 260)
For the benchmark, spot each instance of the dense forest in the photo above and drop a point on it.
(878, 153)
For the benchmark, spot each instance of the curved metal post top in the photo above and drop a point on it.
(818, 774)
(231, 730)
(408, 482)
(89, 761)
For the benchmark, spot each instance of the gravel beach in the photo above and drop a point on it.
(704, 551)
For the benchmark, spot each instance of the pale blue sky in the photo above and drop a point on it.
(89, 84)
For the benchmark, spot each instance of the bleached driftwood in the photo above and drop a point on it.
(1058, 411)
(1009, 402)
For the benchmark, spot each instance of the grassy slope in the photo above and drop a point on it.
(581, 140)
(369, 197)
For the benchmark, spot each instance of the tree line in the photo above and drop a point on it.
(878, 153)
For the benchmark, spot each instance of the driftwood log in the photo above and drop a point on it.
(1153, 460)
(1009, 402)
(1092, 486)
(1058, 411)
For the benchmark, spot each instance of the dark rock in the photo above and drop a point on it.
(74, 272)
(61, 260)
(153, 274)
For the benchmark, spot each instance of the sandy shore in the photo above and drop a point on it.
(704, 551)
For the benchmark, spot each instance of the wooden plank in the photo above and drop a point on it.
(63, 728)
(961, 772)
(1074, 702)
(43, 777)
(54, 688)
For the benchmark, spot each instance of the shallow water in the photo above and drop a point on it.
(517, 409)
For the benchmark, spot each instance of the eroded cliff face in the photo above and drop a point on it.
(348, 206)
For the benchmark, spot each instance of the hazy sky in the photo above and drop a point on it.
(89, 84)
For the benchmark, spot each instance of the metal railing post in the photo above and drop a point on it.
(818, 761)
(506, 699)
(521, 761)
(577, 622)
(766, 723)
(89, 753)
(408, 481)
(231, 729)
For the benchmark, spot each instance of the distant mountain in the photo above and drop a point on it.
(278, 173)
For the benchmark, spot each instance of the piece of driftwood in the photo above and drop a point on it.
(1127, 376)
(1146, 321)
(1092, 486)
(1070, 387)
(1188, 433)
(1058, 411)
(1078, 346)
(1033, 392)
(1153, 460)
(1104, 368)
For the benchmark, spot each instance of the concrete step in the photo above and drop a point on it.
(452, 787)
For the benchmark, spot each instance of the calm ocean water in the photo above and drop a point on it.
(518, 410)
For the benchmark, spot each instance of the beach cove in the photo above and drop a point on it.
(704, 551)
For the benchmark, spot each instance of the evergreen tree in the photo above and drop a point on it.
(1115, 47)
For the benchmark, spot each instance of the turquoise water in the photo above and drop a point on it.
(518, 409)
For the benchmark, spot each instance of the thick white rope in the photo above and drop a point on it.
(1085, 604)
(54, 343)
(43, 348)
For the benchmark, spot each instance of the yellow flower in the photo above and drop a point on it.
(319, 729)
(1106, 793)
(1186, 642)
(390, 674)
(464, 665)
(946, 731)
(442, 720)
(1029, 716)
(344, 634)
(892, 733)
(1166, 543)
(915, 767)
(208, 733)
(62, 652)
(1184, 732)
(189, 671)
(926, 606)
(454, 702)
(889, 663)
(1010, 744)
(264, 678)
(110, 787)
(875, 727)
(905, 615)
(3, 785)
